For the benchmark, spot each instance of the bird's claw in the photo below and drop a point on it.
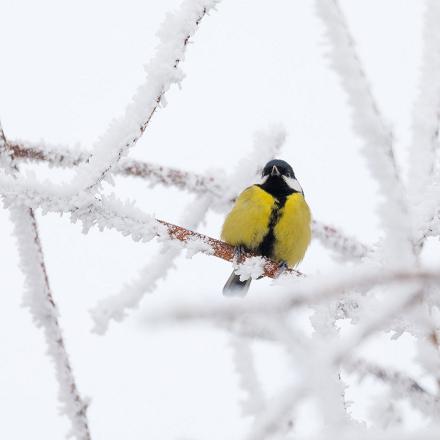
(238, 253)
(282, 267)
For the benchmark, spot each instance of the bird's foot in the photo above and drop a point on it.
(238, 254)
(282, 267)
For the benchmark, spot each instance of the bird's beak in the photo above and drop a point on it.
(275, 171)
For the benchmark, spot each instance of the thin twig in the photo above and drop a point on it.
(402, 386)
(225, 251)
(125, 131)
(303, 292)
(369, 123)
(330, 236)
(110, 213)
(65, 157)
(43, 308)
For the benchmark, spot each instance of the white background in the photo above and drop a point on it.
(67, 69)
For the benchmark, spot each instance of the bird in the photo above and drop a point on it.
(270, 218)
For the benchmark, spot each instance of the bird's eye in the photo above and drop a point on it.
(287, 174)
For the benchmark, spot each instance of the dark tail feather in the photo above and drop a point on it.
(235, 287)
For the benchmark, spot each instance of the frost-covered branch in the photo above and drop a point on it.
(250, 264)
(275, 420)
(254, 399)
(39, 299)
(369, 124)
(155, 174)
(379, 294)
(162, 72)
(334, 239)
(423, 177)
(266, 145)
(329, 236)
(331, 389)
(110, 213)
(64, 157)
(402, 386)
(116, 306)
(302, 292)
(320, 368)
(426, 111)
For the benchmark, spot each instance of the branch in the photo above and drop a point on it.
(369, 124)
(329, 236)
(275, 419)
(403, 386)
(432, 229)
(303, 292)
(156, 174)
(162, 72)
(254, 399)
(220, 249)
(116, 307)
(63, 157)
(110, 213)
(265, 147)
(42, 306)
(322, 364)
(334, 239)
(426, 111)
(426, 122)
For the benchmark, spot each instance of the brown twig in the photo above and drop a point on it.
(143, 126)
(333, 238)
(46, 315)
(329, 236)
(164, 175)
(402, 385)
(57, 157)
(222, 250)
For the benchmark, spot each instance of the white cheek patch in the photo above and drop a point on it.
(293, 183)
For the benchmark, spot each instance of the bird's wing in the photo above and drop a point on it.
(248, 221)
(293, 231)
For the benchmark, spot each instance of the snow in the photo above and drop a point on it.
(252, 267)
(162, 71)
(378, 139)
(170, 374)
(40, 302)
(115, 307)
(422, 175)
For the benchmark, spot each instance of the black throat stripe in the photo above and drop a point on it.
(268, 243)
(279, 190)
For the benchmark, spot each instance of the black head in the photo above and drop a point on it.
(278, 178)
(278, 168)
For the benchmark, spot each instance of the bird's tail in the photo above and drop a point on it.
(235, 287)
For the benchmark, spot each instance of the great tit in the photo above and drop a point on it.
(271, 219)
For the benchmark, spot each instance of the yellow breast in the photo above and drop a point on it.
(293, 230)
(248, 222)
